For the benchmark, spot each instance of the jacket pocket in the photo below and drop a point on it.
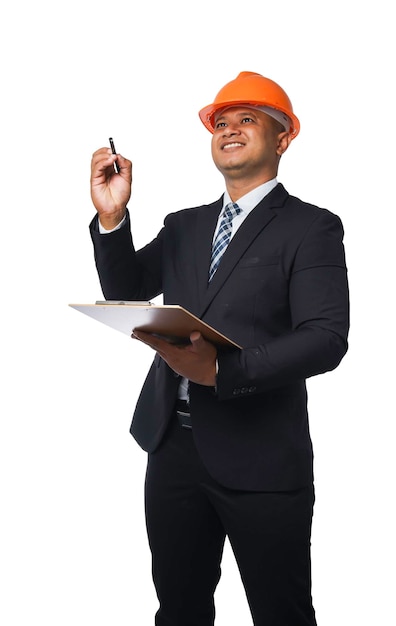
(257, 261)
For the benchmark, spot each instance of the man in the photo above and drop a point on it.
(227, 429)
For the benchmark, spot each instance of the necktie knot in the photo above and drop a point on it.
(223, 236)
(231, 210)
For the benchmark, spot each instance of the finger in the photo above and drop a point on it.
(152, 343)
(125, 166)
(196, 339)
(101, 151)
(138, 335)
(100, 163)
(99, 155)
(200, 346)
(148, 339)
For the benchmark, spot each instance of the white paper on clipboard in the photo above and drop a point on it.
(172, 322)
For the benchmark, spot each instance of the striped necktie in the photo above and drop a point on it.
(223, 236)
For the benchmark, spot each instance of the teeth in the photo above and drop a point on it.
(232, 145)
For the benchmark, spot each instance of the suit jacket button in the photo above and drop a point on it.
(244, 390)
(251, 389)
(236, 392)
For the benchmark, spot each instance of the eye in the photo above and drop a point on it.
(220, 125)
(247, 119)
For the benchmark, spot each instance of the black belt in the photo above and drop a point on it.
(183, 414)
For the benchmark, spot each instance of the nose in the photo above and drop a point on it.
(231, 129)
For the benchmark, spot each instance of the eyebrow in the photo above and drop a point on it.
(247, 112)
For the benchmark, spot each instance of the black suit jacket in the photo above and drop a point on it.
(280, 292)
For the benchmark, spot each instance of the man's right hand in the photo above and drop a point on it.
(110, 192)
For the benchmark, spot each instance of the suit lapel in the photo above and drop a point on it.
(251, 228)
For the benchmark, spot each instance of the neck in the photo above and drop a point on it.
(239, 188)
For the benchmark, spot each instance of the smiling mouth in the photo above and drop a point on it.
(234, 144)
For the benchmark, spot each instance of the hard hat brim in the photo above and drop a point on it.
(207, 113)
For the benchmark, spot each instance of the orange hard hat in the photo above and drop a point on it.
(255, 90)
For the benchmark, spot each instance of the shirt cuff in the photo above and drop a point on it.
(217, 371)
(104, 231)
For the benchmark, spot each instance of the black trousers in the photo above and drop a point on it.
(188, 517)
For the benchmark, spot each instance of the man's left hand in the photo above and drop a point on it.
(195, 361)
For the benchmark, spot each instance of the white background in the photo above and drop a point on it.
(73, 542)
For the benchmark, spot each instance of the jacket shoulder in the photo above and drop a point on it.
(308, 210)
(191, 212)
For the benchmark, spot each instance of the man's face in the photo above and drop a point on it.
(247, 143)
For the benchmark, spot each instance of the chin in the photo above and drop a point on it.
(230, 164)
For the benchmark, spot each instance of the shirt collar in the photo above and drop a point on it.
(251, 199)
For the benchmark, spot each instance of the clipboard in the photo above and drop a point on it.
(171, 322)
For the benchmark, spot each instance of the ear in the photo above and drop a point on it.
(284, 140)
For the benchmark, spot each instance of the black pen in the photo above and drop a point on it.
(112, 146)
